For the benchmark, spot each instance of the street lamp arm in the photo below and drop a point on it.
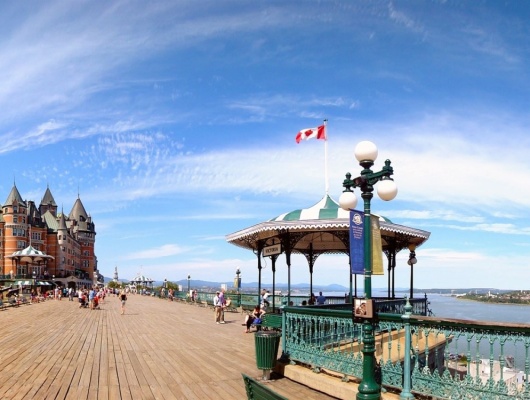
(368, 178)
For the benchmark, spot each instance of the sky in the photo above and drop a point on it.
(175, 123)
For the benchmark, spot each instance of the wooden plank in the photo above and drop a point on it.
(156, 350)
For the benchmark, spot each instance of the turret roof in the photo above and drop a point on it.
(78, 210)
(14, 195)
(48, 198)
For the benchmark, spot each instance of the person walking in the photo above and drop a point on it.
(91, 295)
(123, 300)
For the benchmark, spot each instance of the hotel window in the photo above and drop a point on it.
(15, 219)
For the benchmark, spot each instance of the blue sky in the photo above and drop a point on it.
(176, 120)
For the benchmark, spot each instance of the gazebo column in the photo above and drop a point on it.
(311, 260)
(273, 260)
(351, 280)
(393, 272)
(288, 240)
(258, 254)
(288, 262)
(391, 249)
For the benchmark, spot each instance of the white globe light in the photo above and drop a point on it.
(365, 150)
(387, 189)
(348, 201)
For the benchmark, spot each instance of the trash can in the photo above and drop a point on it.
(267, 343)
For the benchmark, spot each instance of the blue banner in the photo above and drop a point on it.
(356, 242)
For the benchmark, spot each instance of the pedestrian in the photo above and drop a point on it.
(218, 307)
(222, 300)
(91, 295)
(123, 299)
(264, 299)
(321, 299)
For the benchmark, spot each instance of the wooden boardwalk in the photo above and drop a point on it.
(157, 350)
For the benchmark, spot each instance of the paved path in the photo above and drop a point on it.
(157, 350)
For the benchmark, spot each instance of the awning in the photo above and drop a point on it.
(23, 283)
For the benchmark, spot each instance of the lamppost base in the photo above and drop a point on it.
(369, 396)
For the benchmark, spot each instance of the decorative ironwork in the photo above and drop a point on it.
(449, 359)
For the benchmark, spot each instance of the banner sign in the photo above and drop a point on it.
(272, 250)
(356, 242)
(237, 282)
(377, 248)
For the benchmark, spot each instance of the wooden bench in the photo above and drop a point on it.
(258, 391)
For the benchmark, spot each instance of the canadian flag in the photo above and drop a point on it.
(318, 132)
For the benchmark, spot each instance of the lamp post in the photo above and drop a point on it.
(366, 154)
(165, 286)
(411, 261)
(238, 285)
(189, 278)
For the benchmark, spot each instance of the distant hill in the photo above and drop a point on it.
(325, 288)
(248, 285)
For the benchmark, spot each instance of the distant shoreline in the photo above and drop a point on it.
(502, 303)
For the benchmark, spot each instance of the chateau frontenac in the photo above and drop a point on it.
(40, 243)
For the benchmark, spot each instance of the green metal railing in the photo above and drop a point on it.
(443, 358)
(416, 354)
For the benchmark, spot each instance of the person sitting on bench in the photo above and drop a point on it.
(254, 317)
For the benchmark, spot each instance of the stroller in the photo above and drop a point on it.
(82, 301)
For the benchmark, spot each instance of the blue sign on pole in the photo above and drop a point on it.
(356, 242)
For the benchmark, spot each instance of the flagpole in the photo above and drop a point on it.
(326, 156)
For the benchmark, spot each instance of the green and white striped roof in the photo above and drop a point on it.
(30, 254)
(326, 208)
(322, 228)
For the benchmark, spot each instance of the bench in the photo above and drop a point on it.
(258, 391)
(272, 321)
(230, 306)
(269, 322)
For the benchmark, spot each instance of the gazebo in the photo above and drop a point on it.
(34, 258)
(142, 281)
(321, 229)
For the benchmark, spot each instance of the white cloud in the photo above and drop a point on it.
(159, 252)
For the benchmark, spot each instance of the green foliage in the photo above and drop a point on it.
(114, 285)
(517, 297)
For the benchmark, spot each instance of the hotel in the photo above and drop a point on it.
(67, 241)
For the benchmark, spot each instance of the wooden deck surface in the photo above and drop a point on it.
(157, 350)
